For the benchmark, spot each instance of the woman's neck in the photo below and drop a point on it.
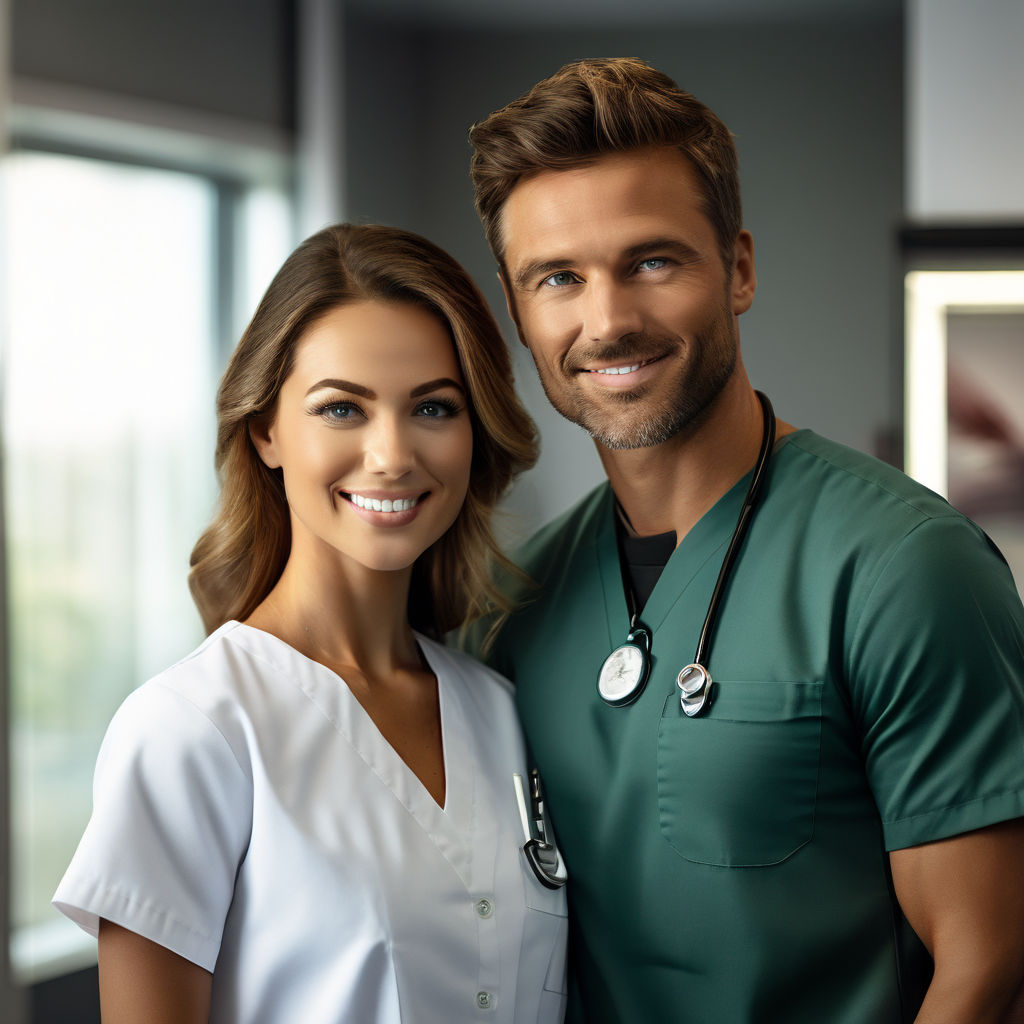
(342, 615)
(354, 620)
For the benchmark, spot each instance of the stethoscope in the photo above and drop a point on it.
(541, 851)
(624, 673)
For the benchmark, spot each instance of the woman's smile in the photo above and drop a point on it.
(378, 504)
(385, 511)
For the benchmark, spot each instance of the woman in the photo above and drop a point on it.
(312, 817)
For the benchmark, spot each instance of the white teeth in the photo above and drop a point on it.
(385, 504)
(620, 369)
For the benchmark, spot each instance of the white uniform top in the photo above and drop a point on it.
(249, 816)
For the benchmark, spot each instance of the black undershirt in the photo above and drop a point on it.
(642, 560)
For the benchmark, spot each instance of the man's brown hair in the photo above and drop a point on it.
(596, 106)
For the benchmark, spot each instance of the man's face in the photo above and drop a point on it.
(615, 280)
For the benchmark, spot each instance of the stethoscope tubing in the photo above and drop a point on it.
(740, 532)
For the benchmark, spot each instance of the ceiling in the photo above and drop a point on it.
(533, 14)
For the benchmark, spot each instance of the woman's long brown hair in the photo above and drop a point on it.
(241, 554)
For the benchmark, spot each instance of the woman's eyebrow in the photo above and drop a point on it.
(433, 385)
(342, 385)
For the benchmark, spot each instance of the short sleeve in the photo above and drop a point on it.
(936, 673)
(172, 813)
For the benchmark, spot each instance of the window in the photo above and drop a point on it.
(119, 280)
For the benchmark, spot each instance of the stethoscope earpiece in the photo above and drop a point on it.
(694, 684)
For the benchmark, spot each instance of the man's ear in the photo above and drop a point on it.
(744, 276)
(262, 435)
(510, 305)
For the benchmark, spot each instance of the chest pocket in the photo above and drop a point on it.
(545, 941)
(737, 787)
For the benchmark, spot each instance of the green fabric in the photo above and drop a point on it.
(869, 674)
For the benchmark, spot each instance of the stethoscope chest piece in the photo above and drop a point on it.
(624, 672)
(695, 685)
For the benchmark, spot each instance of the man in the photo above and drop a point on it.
(801, 838)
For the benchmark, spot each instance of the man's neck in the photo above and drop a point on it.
(672, 485)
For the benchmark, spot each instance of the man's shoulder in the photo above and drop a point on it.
(865, 511)
(554, 543)
(850, 472)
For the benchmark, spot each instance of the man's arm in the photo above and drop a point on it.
(964, 897)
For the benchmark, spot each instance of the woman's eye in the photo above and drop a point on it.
(560, 280)
(436, 409)
(338, 412)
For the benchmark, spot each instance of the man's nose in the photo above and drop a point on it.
(610, 311)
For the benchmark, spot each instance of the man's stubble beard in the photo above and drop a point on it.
(695, 388)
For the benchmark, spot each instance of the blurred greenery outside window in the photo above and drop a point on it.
(126, 286)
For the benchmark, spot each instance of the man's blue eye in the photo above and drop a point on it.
(654, 263)
(559, 280)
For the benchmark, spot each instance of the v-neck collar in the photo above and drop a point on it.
(708, 537)
(447, 827)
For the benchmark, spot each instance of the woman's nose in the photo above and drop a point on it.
(388, 450)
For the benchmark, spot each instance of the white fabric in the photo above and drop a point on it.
(249, 816)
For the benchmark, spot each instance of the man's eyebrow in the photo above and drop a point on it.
(434, 385)
(670, 246)
(342, 385)
(537, 268)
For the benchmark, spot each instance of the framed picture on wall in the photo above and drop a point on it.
(964, 389)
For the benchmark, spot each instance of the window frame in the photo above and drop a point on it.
(236, 160)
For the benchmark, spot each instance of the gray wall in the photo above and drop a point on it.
(817, 112)
(965, 129)
(224, 57)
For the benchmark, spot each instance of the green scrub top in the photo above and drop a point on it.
(869, 695)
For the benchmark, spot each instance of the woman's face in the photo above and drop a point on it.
(372, 434)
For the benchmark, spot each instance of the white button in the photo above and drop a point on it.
(484, 908)
(484, 1000)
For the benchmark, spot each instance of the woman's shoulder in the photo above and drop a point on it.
(207, 693)
(216, 669)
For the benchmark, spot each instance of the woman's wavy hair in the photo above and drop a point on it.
(593, 107)
(241, 554)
